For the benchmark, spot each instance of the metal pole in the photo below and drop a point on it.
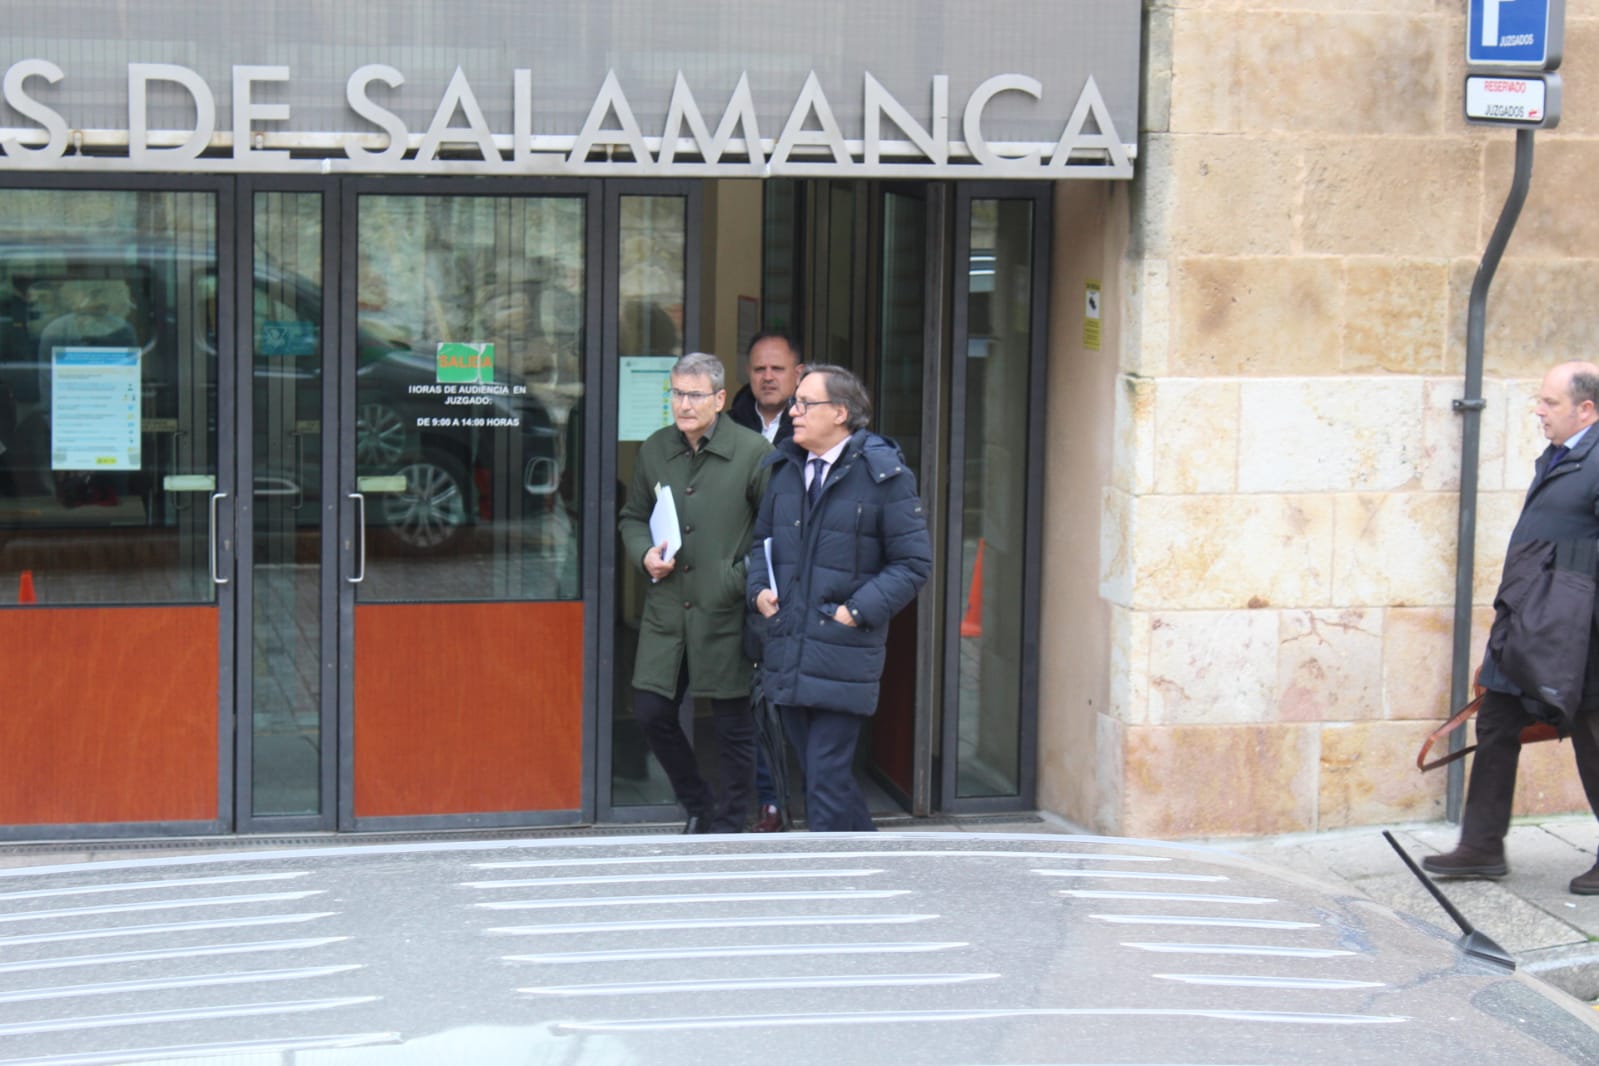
(1470, 410)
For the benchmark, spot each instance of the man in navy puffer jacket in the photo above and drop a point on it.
(849, 550)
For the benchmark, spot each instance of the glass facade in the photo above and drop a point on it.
(415, 511)
(999, 355)
(469, 396)
(287, 357)
(652, 278)
(108, 395)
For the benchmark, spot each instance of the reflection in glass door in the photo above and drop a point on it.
(285, 351)
(463, 400)
(115, 561)
(902, 354)
(652, 287)
(998, 390)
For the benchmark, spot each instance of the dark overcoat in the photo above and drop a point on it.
(1562, 506)
(864, 544)
(747, 414)
(697, 611)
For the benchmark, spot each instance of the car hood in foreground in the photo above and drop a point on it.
(887, 948)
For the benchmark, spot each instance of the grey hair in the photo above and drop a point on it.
(846, 390)
(702, 365)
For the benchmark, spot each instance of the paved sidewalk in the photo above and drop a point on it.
(1530, 914)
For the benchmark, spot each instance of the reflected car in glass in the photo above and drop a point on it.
(124, 296)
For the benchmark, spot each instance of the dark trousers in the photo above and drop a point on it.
(735, 747)
(765, 787)
(825, 741)
(1492, 792)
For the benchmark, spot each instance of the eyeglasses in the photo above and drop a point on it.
(805, 405)
(695, 398)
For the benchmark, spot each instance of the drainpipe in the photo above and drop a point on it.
(1470, 410)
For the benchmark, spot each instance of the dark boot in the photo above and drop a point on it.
(1586, 884)
(770, 821)
(1470, 862)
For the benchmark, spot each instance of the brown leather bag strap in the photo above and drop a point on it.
(1443, 731)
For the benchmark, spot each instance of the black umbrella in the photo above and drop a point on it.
(774, 745)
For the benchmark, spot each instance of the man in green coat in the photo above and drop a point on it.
(691, 638)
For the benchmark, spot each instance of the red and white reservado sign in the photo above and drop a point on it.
(1519, 101)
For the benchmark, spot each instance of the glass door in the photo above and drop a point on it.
(910, 351)
(286, 281)
(116, 501)
(653, 282)
(864, 268)
(992, 554)
(463, 552)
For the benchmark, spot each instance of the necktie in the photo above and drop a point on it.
(1555, 457)
(813, 491)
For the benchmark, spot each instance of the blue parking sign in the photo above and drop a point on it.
(1520, 34)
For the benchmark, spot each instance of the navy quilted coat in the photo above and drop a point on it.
(865, 543)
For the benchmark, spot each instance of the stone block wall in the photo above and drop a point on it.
(1279, 511)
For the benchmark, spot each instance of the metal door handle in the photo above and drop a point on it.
(216, 574)
(360, 525)
(299, 472)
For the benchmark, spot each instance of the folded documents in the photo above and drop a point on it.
(663, 523)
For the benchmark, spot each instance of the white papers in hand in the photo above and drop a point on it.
(771, 576)
(663, 523)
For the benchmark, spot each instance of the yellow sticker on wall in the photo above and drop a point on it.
(1091, 317)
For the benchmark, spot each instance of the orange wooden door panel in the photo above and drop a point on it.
(465, 708)
(109, 714)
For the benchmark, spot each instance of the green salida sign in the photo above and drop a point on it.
(461, 363)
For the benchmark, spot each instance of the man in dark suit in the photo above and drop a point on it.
(849, 551)
(1561, 507)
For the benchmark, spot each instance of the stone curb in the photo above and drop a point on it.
(1572, 968)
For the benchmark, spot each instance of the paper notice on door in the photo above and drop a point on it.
(94, 408)
(643, 395)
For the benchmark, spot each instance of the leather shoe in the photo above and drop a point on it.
(770, 821)
(697, 823)
(1470, 862)
(1586, 884)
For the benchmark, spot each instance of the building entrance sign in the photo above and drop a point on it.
(459, 139)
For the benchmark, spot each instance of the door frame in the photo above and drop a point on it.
(222, 548)
(602, 678)
(1042, 198)
(246, 821)
(933, 480)
(349, 191)
(928, 701)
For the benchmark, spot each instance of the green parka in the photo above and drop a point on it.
(698, 609)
